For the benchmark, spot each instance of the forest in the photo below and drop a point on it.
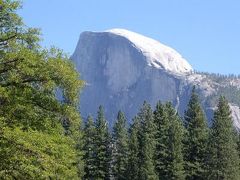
(42, 135)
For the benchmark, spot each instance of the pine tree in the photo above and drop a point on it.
(89, 149)
(175, 165)
(196, 139)
(147, 143)
(120, 142)
(133, 160)
(162, 140)
(169, 143)
(223, 155)
(238, 144)
(102, 146)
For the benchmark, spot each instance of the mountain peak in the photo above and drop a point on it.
(121, 69)
(157, 54)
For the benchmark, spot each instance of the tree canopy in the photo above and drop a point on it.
(39, 92)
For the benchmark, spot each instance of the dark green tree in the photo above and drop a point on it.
(147, 143)
(120, 150)
(176, 134)
(223, 155)
(196, 139)
(161, 156)
(169, 162)
(102, 140)
(133, 160)
(89, 149)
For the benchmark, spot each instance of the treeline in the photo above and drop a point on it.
(160, 145)
(219, 77)
(232, 93)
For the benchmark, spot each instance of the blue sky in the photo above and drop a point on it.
(205, 32)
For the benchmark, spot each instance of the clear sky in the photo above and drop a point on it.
(205, 32)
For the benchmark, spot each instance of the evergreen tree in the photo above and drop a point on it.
(223, 155)
(238, 145)
(102, 146)
(196, 139)
(133, 160)
(176, 133)
(89, 149)
(147, 143)
(169, 146)
(120, 142)
(162, 140)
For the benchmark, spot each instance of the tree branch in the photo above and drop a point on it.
(7, 38)
(29, 80)
(7, 65)
(11, 61)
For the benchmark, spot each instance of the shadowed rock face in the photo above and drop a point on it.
(118, 77)
(120, 74)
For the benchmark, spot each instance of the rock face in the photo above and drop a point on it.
(236, 115)
(122, 69)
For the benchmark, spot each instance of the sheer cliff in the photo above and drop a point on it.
(122, 69)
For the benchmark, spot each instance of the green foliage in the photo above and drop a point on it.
(162, 140)
(41, 135)
(146, 143)
(89, 149)
(196, 139)
(142, 145)
(36, 155)
(175, 164)
(102, 146)
(28, 90)
(120, 151)
(133, 160)
(169, 162)
(34, 143)
(223, 156)
(155, 146)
